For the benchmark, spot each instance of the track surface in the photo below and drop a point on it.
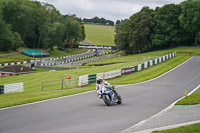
(86, 113)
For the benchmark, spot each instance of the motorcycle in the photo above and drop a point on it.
(110, 96)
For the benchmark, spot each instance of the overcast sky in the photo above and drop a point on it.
(109, 9)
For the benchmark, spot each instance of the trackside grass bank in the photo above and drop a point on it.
(100, 34)
(195, 128)
(190, 100)
(32, 82)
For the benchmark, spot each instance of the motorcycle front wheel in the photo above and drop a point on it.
(107, 100)
(119, 99)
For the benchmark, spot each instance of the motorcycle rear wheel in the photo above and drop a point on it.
(107, 100)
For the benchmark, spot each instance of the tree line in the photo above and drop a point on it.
(169, 26)
(97, 20)
(33, 24)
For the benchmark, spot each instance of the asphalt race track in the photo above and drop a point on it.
(86, 113)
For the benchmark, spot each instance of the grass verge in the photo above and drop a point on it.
(194, 128)
(190, 100)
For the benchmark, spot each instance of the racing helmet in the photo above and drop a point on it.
(99, 80)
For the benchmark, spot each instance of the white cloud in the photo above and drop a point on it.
(109, 9)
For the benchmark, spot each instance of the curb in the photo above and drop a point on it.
(168, 127)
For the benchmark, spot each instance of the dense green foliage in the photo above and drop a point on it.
(169, 26)
(37, 25)
(97, 20)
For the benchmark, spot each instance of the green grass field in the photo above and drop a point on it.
(100, 34)
(190, 100)
(194, 128)
(32, 82)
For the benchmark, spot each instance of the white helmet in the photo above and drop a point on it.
(99, 80)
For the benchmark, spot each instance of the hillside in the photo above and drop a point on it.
(100, 34)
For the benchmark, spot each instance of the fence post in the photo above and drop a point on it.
(62, 81)
(42, 84)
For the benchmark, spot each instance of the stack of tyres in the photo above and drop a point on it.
(1, 89)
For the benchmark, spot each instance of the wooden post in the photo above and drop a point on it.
(42, 84)
(62, 81)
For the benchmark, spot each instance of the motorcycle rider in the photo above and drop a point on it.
(100, 84)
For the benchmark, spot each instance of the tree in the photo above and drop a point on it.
(8, 40)
(141, 26)
(133, 35)
(54, 36)
(97, 20)
(121, 37)
(117, 22)
(38, 25)
(73, 31)
(167, 32)
(190, 17)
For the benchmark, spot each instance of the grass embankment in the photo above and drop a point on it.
(190, 100)
(195, 128)
(33, 82)
(20, 57)
(100, 34)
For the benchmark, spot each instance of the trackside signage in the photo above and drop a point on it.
(127, 70)
(95, 47)
(92, 47)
